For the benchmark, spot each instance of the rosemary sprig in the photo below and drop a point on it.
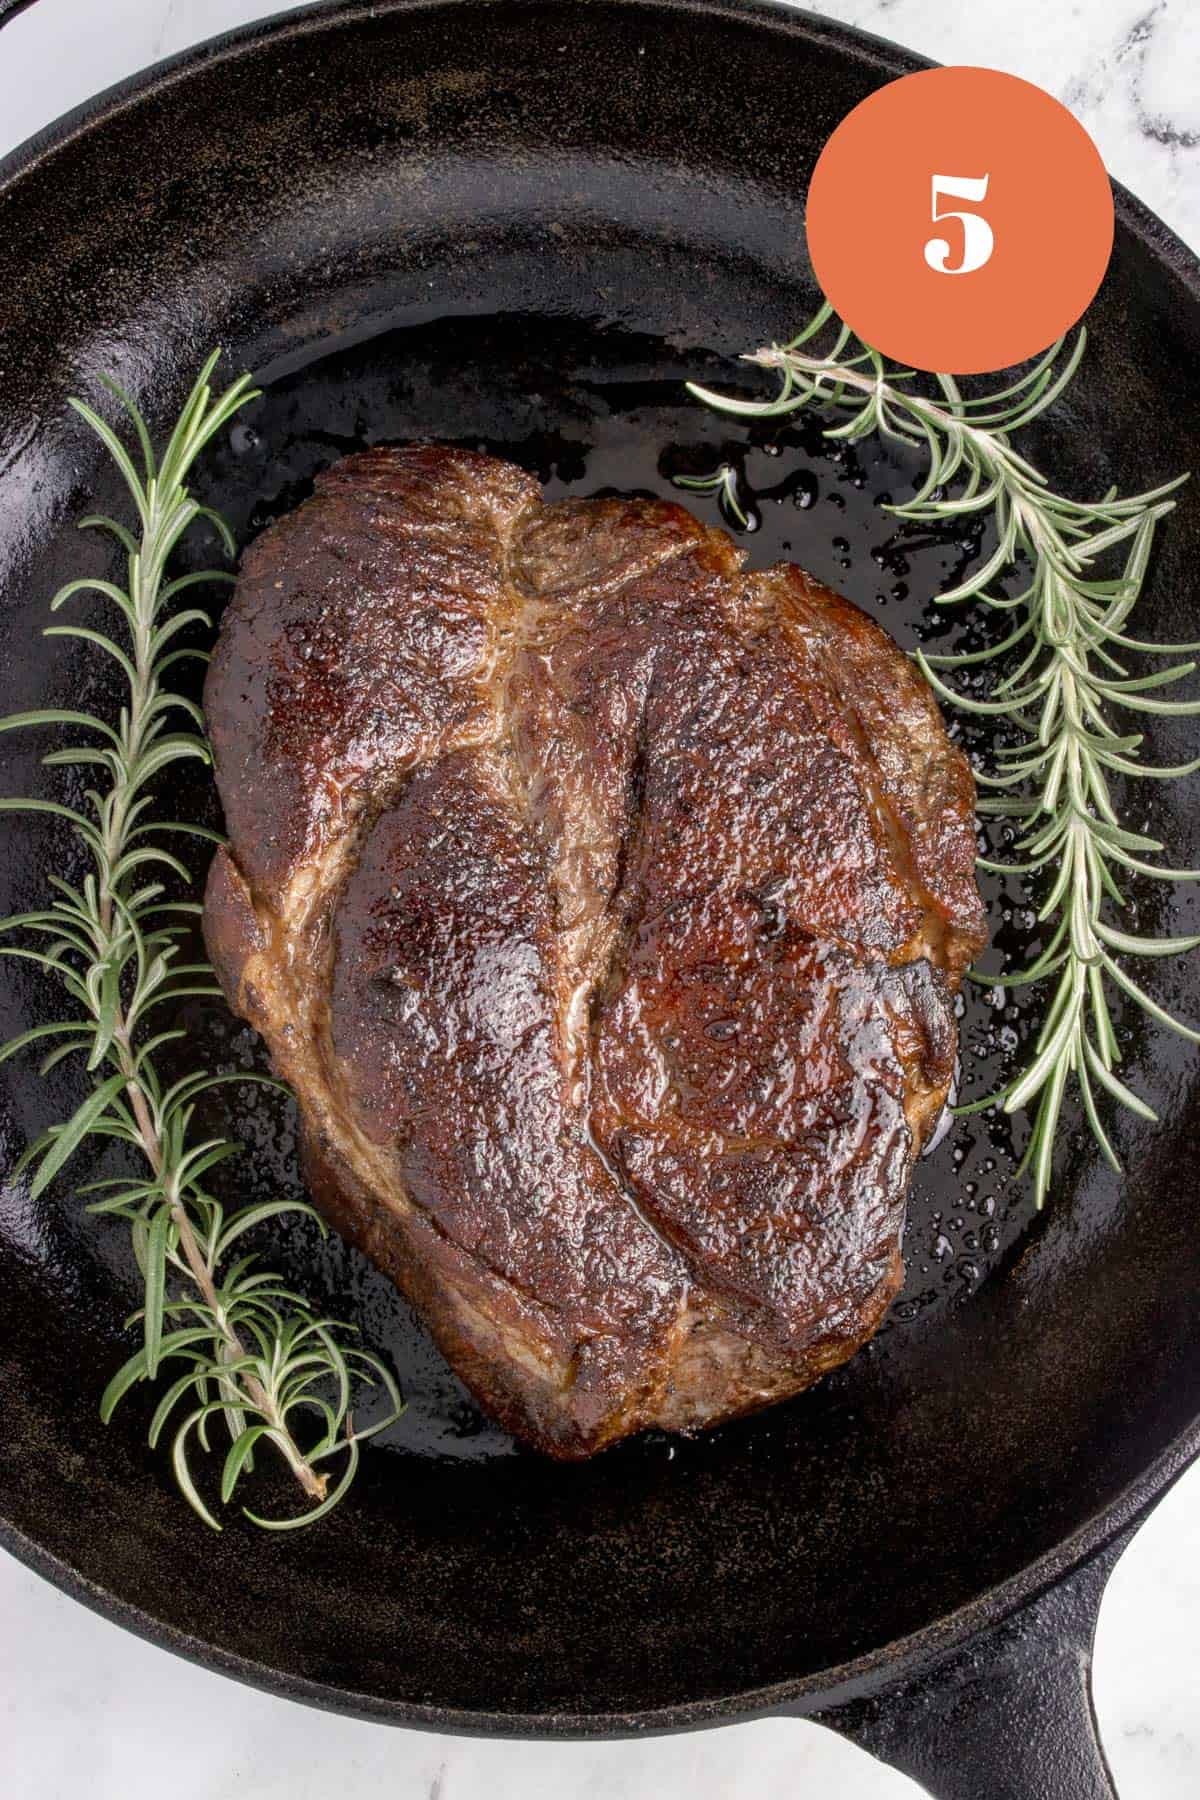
(1058, 697)
(253, 1355)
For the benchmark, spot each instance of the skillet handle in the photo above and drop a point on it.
(1009, 1716)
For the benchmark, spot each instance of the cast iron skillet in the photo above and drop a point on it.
(523, 224)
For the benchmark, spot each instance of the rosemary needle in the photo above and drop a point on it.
(254, 1358)
(1068, 640)
(723, 482)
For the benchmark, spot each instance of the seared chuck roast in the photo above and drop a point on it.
(604, 905)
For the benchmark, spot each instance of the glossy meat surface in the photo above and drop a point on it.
(604, 904)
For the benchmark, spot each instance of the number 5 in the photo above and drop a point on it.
(978, 241)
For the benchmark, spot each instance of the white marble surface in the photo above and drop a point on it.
(88, 1710)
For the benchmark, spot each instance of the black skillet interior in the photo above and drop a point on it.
(501, 225)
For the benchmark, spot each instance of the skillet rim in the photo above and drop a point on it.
(878, 1668)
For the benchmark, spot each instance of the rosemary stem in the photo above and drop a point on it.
(822, 369)
(191, 1259)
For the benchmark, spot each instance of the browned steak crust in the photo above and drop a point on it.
(605, 906)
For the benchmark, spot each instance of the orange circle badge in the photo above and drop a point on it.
(960, 220)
